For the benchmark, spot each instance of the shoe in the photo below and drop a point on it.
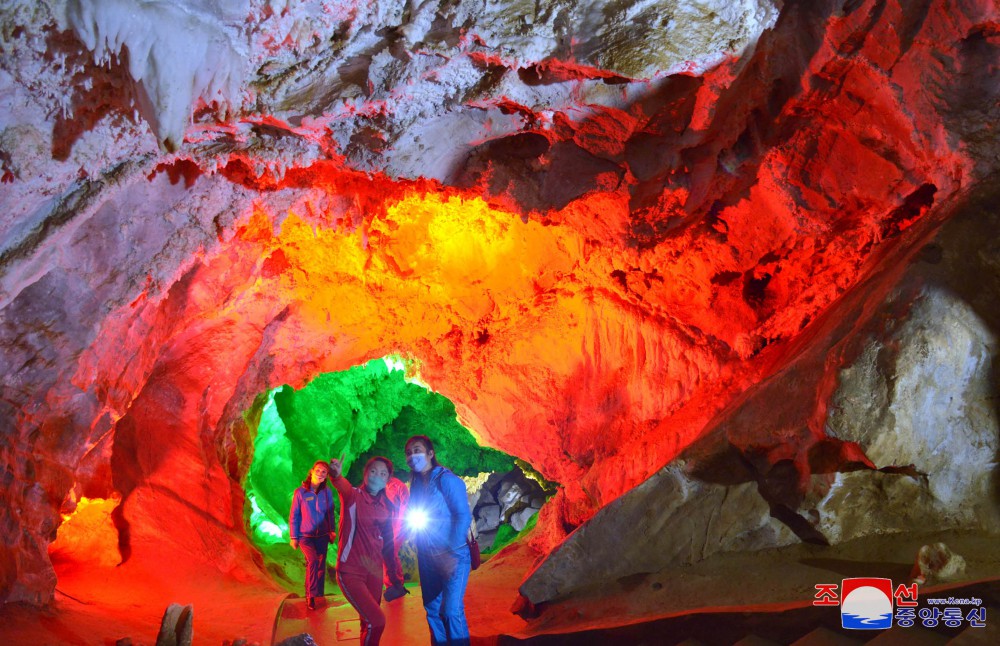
(311, 603)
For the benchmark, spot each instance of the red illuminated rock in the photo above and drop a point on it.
(602, 273)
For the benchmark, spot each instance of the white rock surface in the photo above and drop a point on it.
(926, 398)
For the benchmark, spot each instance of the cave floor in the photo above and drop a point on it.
(100, 605)
(491, 593)
(729, 597)
(723, 599)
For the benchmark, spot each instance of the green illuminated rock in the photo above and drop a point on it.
(507, 535)
(364, 411)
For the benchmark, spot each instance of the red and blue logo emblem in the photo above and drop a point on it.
(866, 604)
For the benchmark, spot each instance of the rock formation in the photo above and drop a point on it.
(713, 267)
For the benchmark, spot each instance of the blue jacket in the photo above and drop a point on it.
(446, 502)
(311, 514)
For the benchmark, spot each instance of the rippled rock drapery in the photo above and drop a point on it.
(597, 268)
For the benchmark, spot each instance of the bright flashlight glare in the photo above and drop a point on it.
(417, 519)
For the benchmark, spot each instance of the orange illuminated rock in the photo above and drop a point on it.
(87, 537)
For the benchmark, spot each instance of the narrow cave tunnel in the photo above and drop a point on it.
(712, 284)
(368, 411)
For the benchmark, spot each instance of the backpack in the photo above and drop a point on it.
(473, 541)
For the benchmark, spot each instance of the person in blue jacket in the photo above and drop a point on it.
(310, 527)
(439, 520)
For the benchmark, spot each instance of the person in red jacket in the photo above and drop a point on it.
(366, 545)
(310, 526)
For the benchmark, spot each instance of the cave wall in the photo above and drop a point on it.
(597, 268)
(883, 422)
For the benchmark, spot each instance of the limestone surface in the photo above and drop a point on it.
(723, 271)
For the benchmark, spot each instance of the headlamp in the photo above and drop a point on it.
(417, 518)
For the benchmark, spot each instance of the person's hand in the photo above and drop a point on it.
(336, 466)
(295, 543)
(395, 591)
(333, 537)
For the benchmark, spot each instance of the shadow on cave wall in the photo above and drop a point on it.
(136, 452)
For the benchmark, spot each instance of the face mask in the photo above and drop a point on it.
(375, 484)
(417, 462)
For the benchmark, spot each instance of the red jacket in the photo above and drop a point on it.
(366, 540)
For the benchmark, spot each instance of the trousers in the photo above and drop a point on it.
(364, 592)
(314, 549)
(443, 579)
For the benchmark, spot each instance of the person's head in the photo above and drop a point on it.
(318, 474)
(378, 470)
(420, 456)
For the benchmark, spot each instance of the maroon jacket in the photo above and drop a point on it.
(366, 540)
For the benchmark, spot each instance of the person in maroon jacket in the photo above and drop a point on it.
(310, 527)
(366, 545)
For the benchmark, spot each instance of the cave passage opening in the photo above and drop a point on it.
(361, 412)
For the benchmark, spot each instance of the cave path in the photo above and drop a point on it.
(335, 621)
